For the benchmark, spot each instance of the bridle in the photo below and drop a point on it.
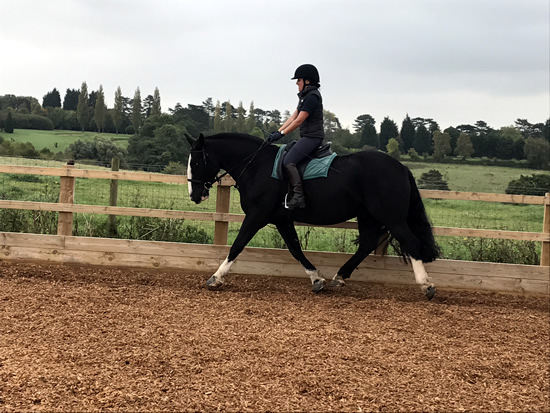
(209, 184)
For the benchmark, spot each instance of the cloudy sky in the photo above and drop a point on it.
(456, 61)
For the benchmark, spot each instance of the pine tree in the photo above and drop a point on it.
(369, 137)
(156, 110)
(407, 133)
(422, 140)
(251, 120)
(388, 130)
(136, 111)
(240, 125)
(82, 113)
(52, 99)
(118, 110)
(100, 110)
(8, 125)
(217, 118)
(70, 102)
(228, 121)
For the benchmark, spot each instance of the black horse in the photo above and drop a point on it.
(369, 185)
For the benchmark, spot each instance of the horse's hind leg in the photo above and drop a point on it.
(409, 244)
(288, 232)
(369, 235)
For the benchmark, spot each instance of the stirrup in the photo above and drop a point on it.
(303, 205)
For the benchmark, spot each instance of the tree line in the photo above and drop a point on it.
(157, 135)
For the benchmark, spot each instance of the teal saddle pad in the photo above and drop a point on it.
(315, 168)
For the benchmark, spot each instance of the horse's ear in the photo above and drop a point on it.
(189, 139)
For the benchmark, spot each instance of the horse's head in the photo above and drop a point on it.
(201, 170)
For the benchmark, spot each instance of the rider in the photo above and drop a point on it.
(309, 118)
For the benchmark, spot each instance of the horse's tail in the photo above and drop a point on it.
(420, 225)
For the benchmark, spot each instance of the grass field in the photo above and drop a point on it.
(466, 214)
(59, 140)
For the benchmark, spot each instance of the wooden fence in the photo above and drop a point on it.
(66, 248)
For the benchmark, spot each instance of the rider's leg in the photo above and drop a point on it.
(298, 152)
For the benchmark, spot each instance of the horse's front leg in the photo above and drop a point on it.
(288, 232)
(251, 225)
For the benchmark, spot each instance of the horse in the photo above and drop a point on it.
(368, 185)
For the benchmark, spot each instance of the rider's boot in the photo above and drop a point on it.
(298, 199)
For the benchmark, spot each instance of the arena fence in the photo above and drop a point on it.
(66, 248)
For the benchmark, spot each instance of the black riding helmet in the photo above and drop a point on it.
(308, 72)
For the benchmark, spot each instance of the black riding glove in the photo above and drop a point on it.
(274, 136)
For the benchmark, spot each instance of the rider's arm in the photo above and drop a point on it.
(295, 122)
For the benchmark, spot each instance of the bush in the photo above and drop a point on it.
(175, 168)
(24, 121)
(130, 130)
(536, 184)
(433, 180)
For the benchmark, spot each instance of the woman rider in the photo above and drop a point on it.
(309, 118)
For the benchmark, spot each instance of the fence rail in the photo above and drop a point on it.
(222, 217)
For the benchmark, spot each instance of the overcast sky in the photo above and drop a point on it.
(456, 61)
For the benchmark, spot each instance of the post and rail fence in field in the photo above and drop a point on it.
(66, 248)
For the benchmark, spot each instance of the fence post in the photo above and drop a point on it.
(545, 251)
(221, 228)
(66, 196)
(113, 198)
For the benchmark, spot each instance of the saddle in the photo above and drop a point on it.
(315, 165)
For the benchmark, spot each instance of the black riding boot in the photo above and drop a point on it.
(297, 200)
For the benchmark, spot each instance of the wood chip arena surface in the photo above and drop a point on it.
(88, 339)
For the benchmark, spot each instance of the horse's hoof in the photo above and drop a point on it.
(318, 285)
(337, 281)
(430, 292)
(213, 283)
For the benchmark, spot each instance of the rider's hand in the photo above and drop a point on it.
(274, 136)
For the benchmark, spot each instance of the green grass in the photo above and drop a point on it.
(472, 178)
(464, 214)
(59, 140)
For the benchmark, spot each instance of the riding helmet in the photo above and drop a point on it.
(307, 71)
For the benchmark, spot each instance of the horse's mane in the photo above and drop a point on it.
(239, 136)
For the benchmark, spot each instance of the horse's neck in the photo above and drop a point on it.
(233, 154)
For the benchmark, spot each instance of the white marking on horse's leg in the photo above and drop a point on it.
(337, 281)
(314, 275)
(420, 274)
(223, 270)
(189, 176)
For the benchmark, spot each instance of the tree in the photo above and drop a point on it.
(441, 145)
(388, 130)
(407, 133)
(118, 110)
(361, 121)
(464, 147)
(393, 148)
(454, 134)
(82, 113)
(432, 180)
(537, 152)
(52, 99)
(369, 137)
(70, 102)
(8, 125)
(422, 140)
(251, 120)
(137, 119)
(217, 118)
(156, 109)
(240, 125)
(228, 121)
(100, 110)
